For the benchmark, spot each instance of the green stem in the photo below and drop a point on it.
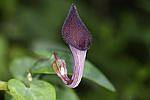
(3, 85)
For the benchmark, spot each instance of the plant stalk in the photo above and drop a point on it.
(3, 85)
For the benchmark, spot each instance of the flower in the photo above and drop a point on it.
(74, 31)
(77, 36)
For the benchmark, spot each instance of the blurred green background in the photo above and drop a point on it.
(120, 48)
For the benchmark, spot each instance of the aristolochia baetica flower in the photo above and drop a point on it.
(77, 36)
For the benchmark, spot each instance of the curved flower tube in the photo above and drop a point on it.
(77, 36)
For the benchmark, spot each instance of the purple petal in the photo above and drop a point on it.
(75, 32)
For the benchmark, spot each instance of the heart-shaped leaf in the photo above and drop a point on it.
(38, 90)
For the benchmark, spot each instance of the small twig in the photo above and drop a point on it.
(3, 85)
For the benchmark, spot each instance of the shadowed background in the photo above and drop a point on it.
(120, 48)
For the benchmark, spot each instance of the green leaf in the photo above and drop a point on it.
(95, 75)
(90, 71)
(20, 67)
(38, 90)
(62, 93)
(61, 90)
(8, 96)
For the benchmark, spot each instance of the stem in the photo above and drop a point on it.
(3, 85)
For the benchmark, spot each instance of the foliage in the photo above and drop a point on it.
(120, 47)
(22, 88)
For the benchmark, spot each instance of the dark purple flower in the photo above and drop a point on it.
(77, 36)
(74, 31)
